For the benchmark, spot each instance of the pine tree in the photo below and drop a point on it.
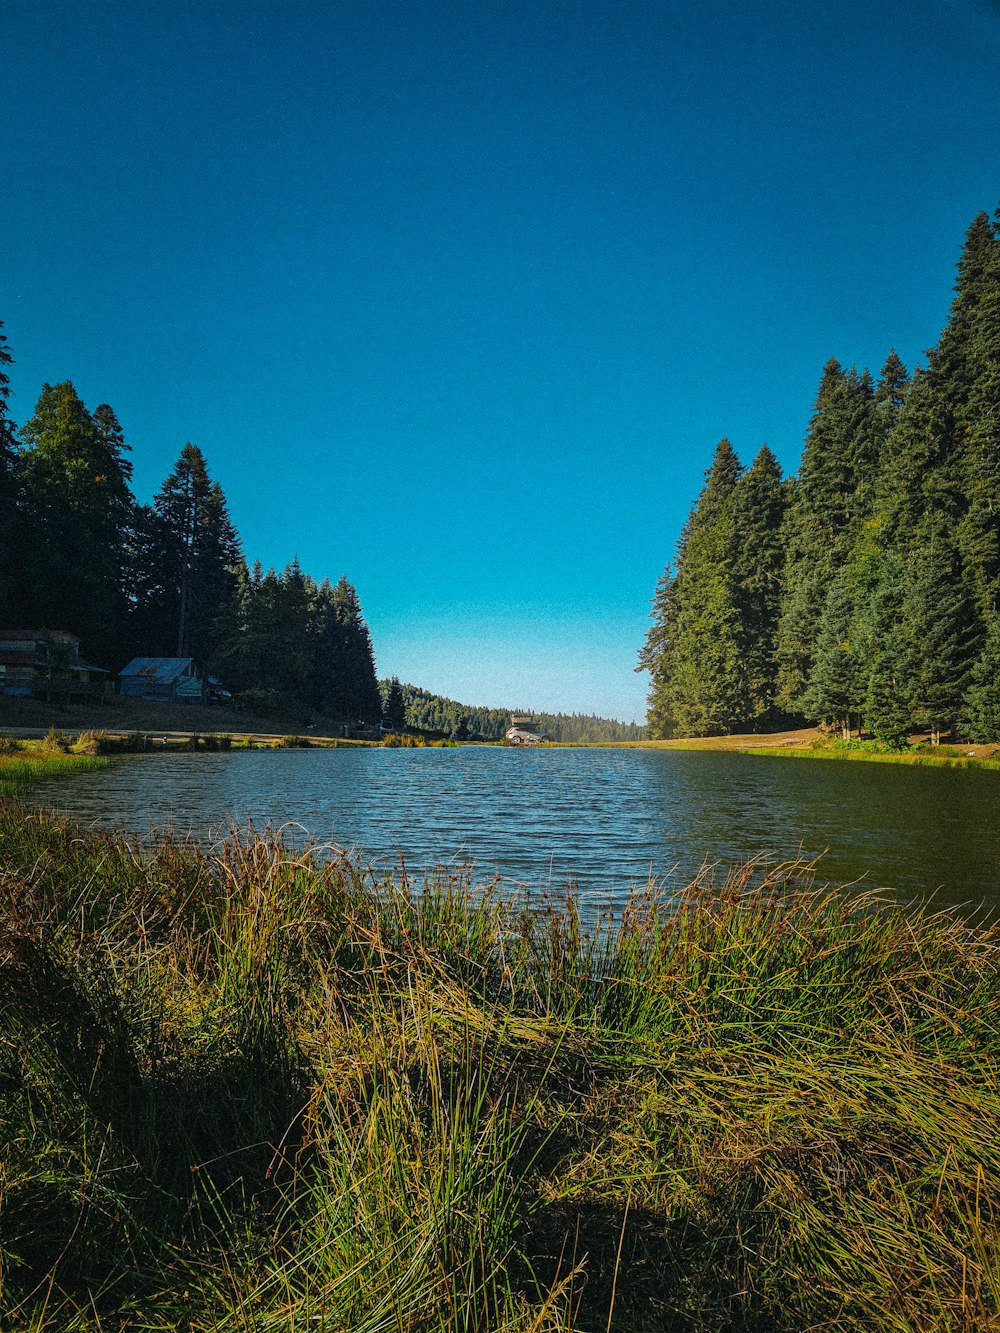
(76, 488)
(979, 529)
(834, 691)
(941, 461)
(344, 679)
(653, 656)
(941, 632)
(11, 539)
(298, 616)
(890, 394)
(981, 717)
(394, 707)
(758, 505)
(829, 504)
(888, 709)
(694, 648)
(198, 556)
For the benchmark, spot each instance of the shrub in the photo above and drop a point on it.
(94, 742)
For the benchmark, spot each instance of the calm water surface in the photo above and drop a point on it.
(605, 819)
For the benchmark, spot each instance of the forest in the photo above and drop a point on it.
(424, 711)
(79, 553)
(861, 593)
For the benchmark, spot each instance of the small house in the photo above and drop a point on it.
(524, 730)
(163, 680)
(46, 664)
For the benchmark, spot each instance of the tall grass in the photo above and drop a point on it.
(29, 763)
(259, 1089)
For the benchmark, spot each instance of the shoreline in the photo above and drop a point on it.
(811, 743)
(801, 743)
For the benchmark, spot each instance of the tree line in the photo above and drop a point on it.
(167, 579)
(424, 711)
(862, 592)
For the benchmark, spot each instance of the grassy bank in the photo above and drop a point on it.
(256, 1090)
(869, 752)
(811, 743)
(22, 762)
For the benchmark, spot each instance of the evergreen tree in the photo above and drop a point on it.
(197, 555)
(941, 461)
(979, 530)
(653, 656)
(981, 719)
(76, 489)
(394, 707)
(834, 691)
(941, 633)
(11, 540)
(694, 648)
(344, 680)
(298, 614)
(888, 710)
(890, 585)
(829, 503)
(263, 637)
(758, 505)
(890, 394)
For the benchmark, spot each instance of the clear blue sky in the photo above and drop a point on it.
(457, 298)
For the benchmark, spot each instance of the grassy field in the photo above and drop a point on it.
(254, 1089)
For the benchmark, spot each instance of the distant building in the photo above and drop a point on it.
(524, 730)
(46, 664)
(162, 679)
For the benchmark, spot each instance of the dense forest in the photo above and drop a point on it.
(79, 553)
(863, 592)
(424, 711)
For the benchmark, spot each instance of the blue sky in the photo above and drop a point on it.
(458, 298)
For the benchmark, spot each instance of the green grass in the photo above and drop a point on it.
(943, 756)
(33, 760)
(256, 1089)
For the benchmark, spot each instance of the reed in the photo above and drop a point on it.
(258, 1088)
(31, 761)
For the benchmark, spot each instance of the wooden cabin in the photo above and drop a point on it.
(46, 664)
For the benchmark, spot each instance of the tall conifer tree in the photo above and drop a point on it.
(941, 631)
(344, 679)
(757, 507)
(11, 540)
(76, 485)
(981, 718)
(829, 503)
(196, 552)
(700, 685)
(836, 688)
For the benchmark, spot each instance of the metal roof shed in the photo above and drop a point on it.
(165, 679)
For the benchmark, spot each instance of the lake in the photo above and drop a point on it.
(604, 819)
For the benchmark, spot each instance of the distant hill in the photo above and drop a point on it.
(434, 712)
